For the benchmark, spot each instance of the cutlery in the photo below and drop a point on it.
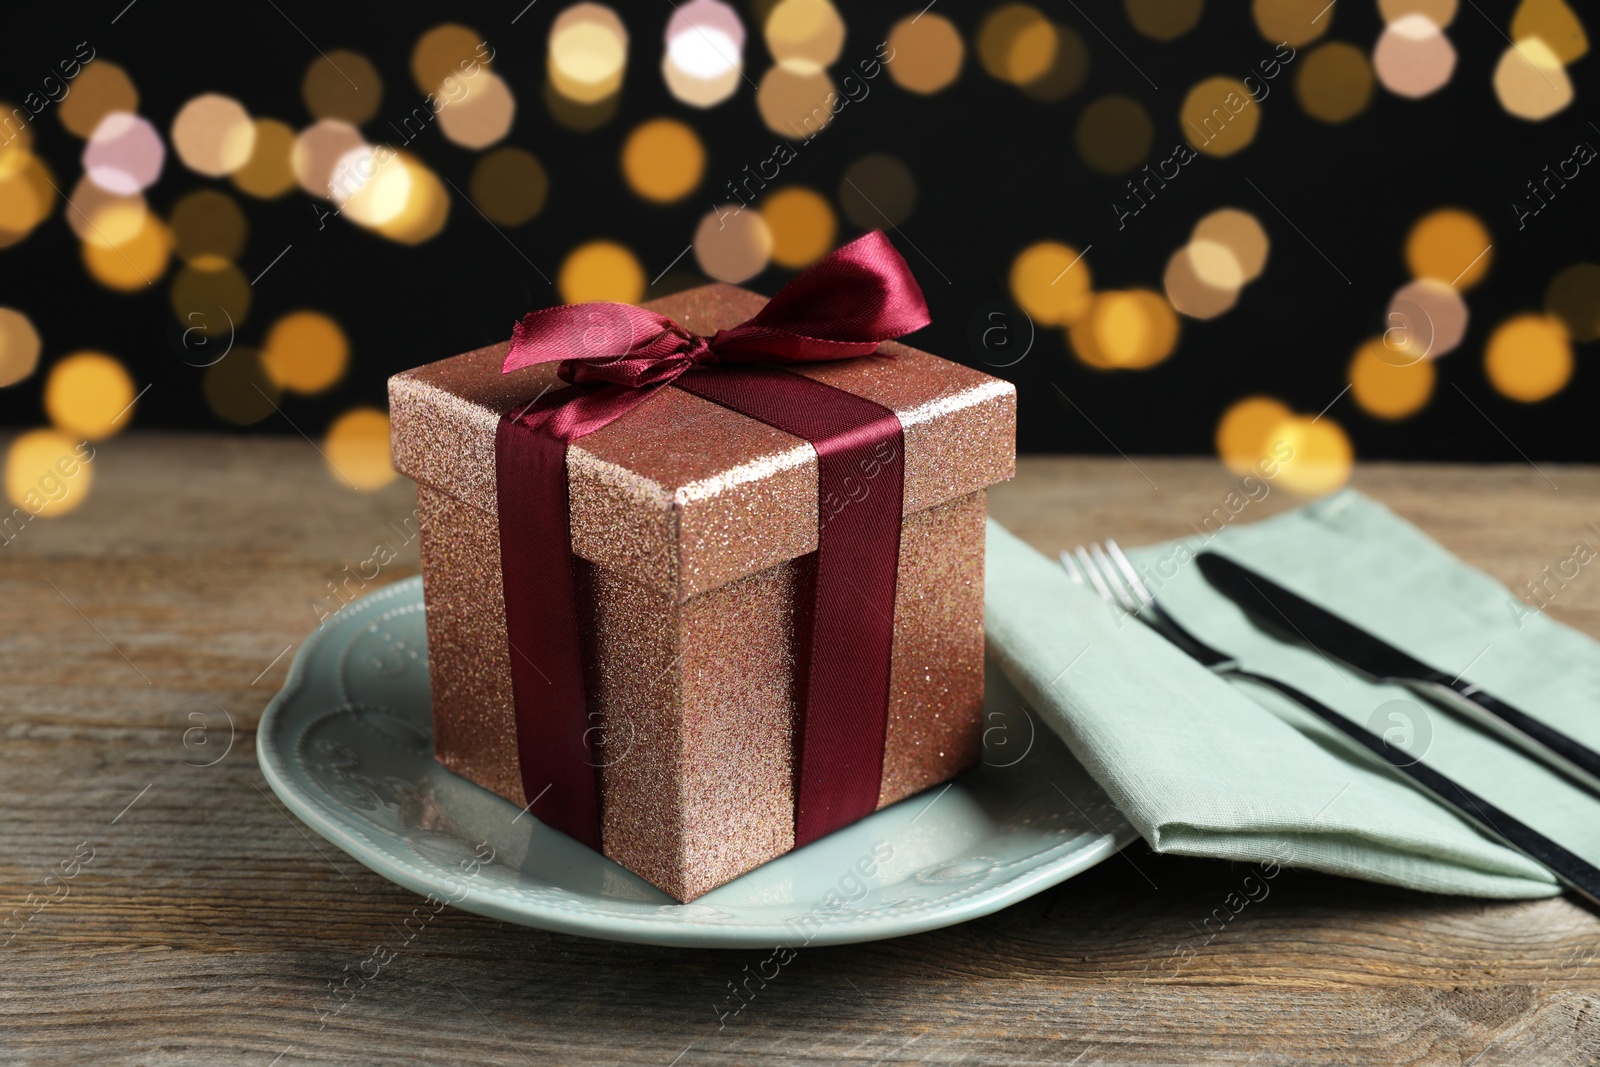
(1327, 633)
(1113, 577)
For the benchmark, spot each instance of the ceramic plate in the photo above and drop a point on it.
(348, 747)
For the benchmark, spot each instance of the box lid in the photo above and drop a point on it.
(685, 495)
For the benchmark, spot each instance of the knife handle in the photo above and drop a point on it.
(1539, 740)
(1573, 871)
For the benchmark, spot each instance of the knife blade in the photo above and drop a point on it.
(1333, 636)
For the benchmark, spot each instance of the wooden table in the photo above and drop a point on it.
(208, 924)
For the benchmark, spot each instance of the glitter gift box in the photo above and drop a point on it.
(692, 529)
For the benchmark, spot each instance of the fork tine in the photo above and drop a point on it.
(1094, 574)
(1070, 565)
(1126, 566)
(1114, 579)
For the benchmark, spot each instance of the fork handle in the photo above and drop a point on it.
(1574, 872)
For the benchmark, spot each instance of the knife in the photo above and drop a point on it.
(1332, 636)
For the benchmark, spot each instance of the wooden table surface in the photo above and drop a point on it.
(204, 924)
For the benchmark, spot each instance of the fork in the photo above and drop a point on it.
(1112, 575)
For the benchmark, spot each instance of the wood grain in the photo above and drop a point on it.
(209, 923)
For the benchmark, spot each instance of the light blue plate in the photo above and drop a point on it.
(348, 747)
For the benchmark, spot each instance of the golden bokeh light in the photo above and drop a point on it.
(1529, 357)
(88, 394)
(134, 263)
(483, 115)
(19, 346)
(1319, 454)
(877, 190)
(794, 105)
(1133, 328)
(238, 388)
(1530, 80)
(704, 60)
(801, 223)
(1203, 279)
(1426, 319)
(1413, 58)
(1016, 43)
(208, 223)
(1051, 282)
(99, 89)
(1334, 82)
(1573, 297)
(268, 174)
(372, 186)
(1240, 233)
(342, 85)
(1080, 336)
(1244, 433)
(1293, 22)
(1554, 23)
(509, 185)
(450, 50)
(213, 134)
(1114, 134)
(26, 196)
(588, 52)
(356, 448)
(1385, 388)
(1451, 246)
(1438, 12)
(600, 270)
(426, 209)
(124, 154)
(102, 218)
(212, 295)
(45, 473)
(1164, 20)
(805, 35)
(305, 352)
(927, 51)
(732, 245)
(18, 135)
(1219, 117)
(1068, 70)
(317, 151)
(663, 160)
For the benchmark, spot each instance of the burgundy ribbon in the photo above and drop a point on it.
(616, 356)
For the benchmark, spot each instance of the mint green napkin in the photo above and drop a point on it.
(1207, 766)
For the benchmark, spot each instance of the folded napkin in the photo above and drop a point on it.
(1202, 765)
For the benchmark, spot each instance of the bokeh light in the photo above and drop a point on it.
(1114, 134)
(1386, 388)
(19, 346)
(480, 116)
(208, 223)
(928, 52)
(1319, 451)
(213, 135)
(1219, 117)
(342, 85)
(133, 263)
(588, 52)
(1130, 329)
(88, 394)
(663, 160)
(1244, 433)
(1294, 22)
(356, 448)
(305, 352)
(732, 245)
(1068, 70)
(801, 223)
(1530, 80)
(427, 205)
(1051, 282)
(1413, 58)
(371, 185)
(794, 104)
(1573, 297)
(1426, 319)
(1529, 357)
(37, 464)
(1016, 43)
(268, 173)
(509, 185)
(1450, 245)
(217, 290)
(99, 89)
(450, 50)
(600, 270)
(1240, 233)
(27, 195)
(877, 190)
(704, 60)
(1203, 279)
(238, 388)
(1438, 12)
(1163, 20)
(1334, 82)
(124, 154)
(1554, 23)
(317, 151)
(804, 36)
(99, 217)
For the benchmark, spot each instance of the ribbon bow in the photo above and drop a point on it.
(616, 356)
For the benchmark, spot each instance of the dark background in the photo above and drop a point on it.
(996, 171)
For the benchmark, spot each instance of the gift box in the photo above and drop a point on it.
(694, 545)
